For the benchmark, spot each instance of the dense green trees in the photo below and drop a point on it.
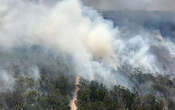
(54, 92)
(50, 92)
(94, 96)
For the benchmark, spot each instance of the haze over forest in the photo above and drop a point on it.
(87, 55)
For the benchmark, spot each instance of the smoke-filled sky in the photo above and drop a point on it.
(161, 5)
(33, 34)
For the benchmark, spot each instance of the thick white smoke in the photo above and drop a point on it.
(97, 49)
(66, 27)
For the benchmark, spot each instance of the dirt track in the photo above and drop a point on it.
(73, 102)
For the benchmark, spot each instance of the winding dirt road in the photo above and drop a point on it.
(73, 105)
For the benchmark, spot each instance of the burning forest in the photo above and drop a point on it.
(87, 55)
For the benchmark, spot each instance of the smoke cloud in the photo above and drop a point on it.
(71, 38)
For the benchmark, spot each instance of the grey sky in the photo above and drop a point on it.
(163, 5)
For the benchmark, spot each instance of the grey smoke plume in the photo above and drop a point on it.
(71, 38)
